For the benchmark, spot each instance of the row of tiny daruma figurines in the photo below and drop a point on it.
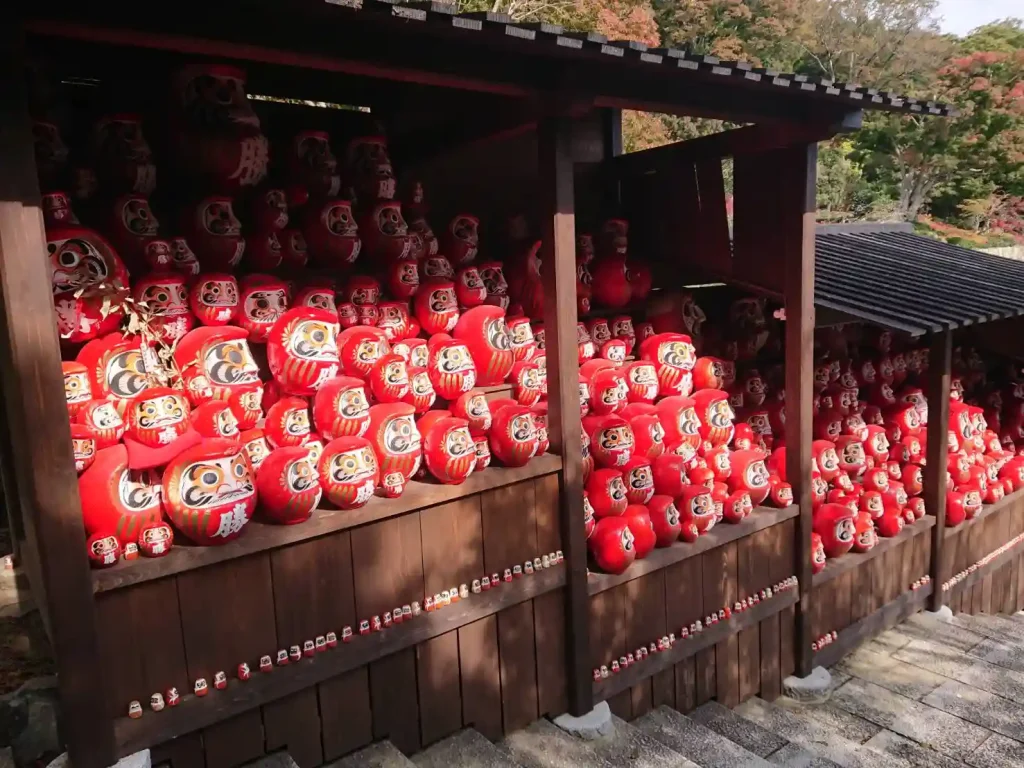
(671, 463)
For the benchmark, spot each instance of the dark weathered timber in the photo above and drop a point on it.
(54, 552)
(797, 228)
(986, 570)
(935, 476)
(260, 537)
(887, 616)
(761, 518)
(836, 567)
(559, 253)
(239, 697)
(684, 649)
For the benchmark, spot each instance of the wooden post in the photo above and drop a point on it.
(798, 226)
(939, 373)
(33, 391)
(558, 256)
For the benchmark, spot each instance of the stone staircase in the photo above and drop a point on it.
(926, 694)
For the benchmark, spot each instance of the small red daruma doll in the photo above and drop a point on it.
(83, 442)
(104, 550)
(103, 421)
(118, 500)
(77, 389)
(288, 486)
(670, 475)
(317, 294)
(156, 539)
(526, 383)
(413, 351)
(780, 493)
(696, 506)
(448, 450)
(834, 524)
(673, 357)
(679, 420)
(524, 346)
(165, 296)
(638, 477)
(612, 545)
(436, 307)
(209, 492)
(483, 331)
(451, 367)
(817, 554)
(158, 416)
(349, 472)
(360, 348)
(263, 299)
(709, 373)
(394, 319)
(287, 422)
(474, 408)
(302, 350)
(397, 443)
(826, 461)
(341, 408)
(347, 315)
(749, 474)
(648, 435)
(641, 381)
(607, 388)
(738, 507)
(470, 287)
(403, 279)
(715, 416)
(513, 435)
(607, 492)
(639, 521)
(621, 327)
(246, 404)
(864, 536)
(389, 379)
(214, 419)
(256, 447)
(421, 391)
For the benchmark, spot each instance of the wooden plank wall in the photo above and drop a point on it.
(861, 591)
(197, 623)
(1002, 590)
(752, 662)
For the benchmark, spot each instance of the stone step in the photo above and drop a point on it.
(999, 627)
(542, 744)
(696, 742)
(466, 748)
(628, 745)
(821, 736)
(276, 760)
(383, 754)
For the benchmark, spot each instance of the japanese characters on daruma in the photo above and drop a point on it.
(212, 374)
(870, 424)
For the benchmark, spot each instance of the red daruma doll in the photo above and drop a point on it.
(349, 472)
(209, 491)
(340, 408)
(288, 486)
(673, 357)
(835, 525)
(116, 500)
(448, 450)
(397, 443)
(715, 416)
(749, 474)
(483, 331)
(612, 545)
(513, 435)
(611, 442)
(302, 350)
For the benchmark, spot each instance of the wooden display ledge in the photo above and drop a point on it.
(684, 649)
(259, 536)
(838, 566)
(722, 533)
(987, 511)
(889, 615)
(987, 569)
(194, 713)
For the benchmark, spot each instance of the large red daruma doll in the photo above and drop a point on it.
(697, 506)
(397, 443)
(436, 307)
(360, 348)
(611, 441)
(117, 369)
(214, 298)
(448, 450)
(287, 422)
(715, 416)
(678, 417)
(451, 367)
(288, 486)
(116, 500)
(641, 381)
(483, 331)
(302, 350)
(513, 436)
(673, 357)
(612, 545)
(349, 472)
(750, 474)
(220, 357)
(81, 260)
(834, 523)
(209, 491)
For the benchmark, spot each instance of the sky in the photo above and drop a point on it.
(961, 16)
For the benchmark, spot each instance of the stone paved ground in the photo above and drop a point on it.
(934, 693)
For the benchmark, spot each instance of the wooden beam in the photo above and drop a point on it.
(749, 140)
(558, 254)
(797, 230)
(939, 372)
(33, 391)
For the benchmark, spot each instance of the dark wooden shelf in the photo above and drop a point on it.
(194, 713)
(655, 663)
(982, 571)
(874, 623)
(838, 566)
(987, 511)
(723, 533)
(259, 536)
